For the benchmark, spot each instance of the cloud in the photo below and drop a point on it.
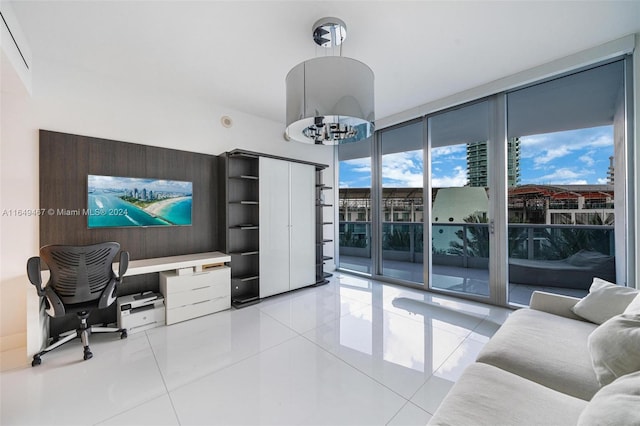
(550, 155)
(587, 159)
(359, 165)
(563, 176)
(451, 152)
(457, 179)
(403, 169)
(545, 148)
(601, 141)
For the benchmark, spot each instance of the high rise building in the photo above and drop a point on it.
(611, 172)
(477, 163)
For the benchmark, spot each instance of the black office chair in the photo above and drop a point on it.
(81, 280)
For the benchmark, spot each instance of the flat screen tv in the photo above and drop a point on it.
(115, 201)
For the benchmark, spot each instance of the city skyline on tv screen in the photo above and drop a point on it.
(115, 201)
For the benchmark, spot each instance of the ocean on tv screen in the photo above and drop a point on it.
(122, 202)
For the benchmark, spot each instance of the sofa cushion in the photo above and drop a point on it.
(587, 258)
(615, 404)
(615, 347)
(486, 395)
(547, 349)
(605, 300)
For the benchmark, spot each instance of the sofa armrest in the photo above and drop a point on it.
(556, 304)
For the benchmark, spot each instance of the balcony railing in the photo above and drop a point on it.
(467, 244)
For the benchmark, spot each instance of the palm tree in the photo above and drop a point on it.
(477, 237)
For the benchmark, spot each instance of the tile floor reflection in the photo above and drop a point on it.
(355, 351)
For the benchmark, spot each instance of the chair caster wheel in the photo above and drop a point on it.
(87, 354)
(124, 334)
(36, 361)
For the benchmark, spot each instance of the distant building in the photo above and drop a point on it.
(538, 204)
(477, 163)
(611, 172)
(562, 204)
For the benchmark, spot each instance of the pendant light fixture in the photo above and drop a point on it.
(330, 98)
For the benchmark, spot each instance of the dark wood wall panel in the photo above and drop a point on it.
(66, 161)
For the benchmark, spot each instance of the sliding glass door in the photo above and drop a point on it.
(460, 168)
(402, 203)
(566, 212)
(354, 207)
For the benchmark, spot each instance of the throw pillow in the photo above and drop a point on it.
(615, 404)
(605, 300)
(634, 306)
(614, 347)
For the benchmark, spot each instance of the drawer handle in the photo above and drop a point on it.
(202, 301)
(200, 288)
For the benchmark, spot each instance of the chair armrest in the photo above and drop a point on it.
(556, 304)
(35, 277)
(110, 293)
(123, 265)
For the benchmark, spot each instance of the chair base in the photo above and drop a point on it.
(83, 332)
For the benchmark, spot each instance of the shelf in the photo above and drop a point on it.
(327, 223)
(245, 202)
(327, 241)
(245, 278)
(243, 155)
(245, 227)
(245, 177)
(241, 302)
(324, 205)
(327, 257)
(326, 274)
(321, 282)
(245, 253)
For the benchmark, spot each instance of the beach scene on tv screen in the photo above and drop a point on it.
(123, 201)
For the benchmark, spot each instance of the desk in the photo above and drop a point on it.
(161, 264)
(37, 324)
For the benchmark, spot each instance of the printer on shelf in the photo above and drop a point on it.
(141, 311)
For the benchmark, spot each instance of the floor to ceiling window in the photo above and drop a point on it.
(524, 190)
(354, 207)
(460, 191)
(562, 211)
(402, 202)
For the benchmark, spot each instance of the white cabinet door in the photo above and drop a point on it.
(303, 225)
(274, 226)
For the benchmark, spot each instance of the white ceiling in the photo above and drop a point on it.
(237, 53)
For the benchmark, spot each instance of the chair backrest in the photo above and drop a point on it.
(80, 274)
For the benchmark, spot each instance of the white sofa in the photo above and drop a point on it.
(549, 366)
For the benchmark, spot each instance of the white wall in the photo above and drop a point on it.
(75, 101)
(18, 192)
(17, 50)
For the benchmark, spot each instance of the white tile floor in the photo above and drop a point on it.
(354, 351)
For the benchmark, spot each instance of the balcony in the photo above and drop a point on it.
(460, 255)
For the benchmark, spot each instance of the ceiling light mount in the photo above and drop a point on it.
(329, 32)
(330, 98)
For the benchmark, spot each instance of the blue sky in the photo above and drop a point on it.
(117, 182)
(562, 158)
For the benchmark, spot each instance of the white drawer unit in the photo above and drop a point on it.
(191, 296)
